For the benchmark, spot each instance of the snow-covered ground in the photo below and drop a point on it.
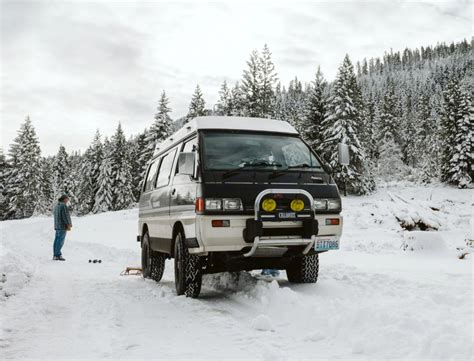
(373, 300)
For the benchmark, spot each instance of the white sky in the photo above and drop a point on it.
(76, 66)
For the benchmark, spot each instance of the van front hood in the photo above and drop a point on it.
(247, 185)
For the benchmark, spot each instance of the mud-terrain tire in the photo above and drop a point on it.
(304, 269)
(153, 263)
(187, 269)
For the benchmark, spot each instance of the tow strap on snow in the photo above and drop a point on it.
(131, 271)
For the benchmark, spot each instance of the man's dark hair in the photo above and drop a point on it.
(63, 197)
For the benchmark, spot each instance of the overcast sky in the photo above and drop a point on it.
(78, 66)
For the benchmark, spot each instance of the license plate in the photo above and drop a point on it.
(287, 215)
(326, 243)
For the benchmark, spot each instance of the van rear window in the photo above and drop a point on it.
(227, 150)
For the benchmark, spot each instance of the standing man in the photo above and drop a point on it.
(62, 224)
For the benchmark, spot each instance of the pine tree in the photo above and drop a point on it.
(122, 194)
(197, 108)
(315, 110)
(278, 103)
(90, 171)
(267, 80)
(461, 162)
(138, 166)
(251, 86)
(45, 193)
(449, 125)
(160, 129)
(24, 177)
(72, 180)
(60, 169)
(4, 170)
(104, 197)
(342, 123)
(238, 101)
(225, 104)
(295, 105)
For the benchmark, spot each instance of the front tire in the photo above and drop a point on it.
(187, 269)
(153, 263)
(304, 269)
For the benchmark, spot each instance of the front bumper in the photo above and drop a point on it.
(224, 239)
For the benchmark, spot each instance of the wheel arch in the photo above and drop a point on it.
(177, 227)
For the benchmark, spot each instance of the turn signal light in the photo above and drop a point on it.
(297, 205)
(332, 221)
(269, 205)
(220, 223)
(199, 204)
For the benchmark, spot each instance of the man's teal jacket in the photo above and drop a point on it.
(62, 219)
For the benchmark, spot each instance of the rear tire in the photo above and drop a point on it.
(187, 269)
(304, 269)
(153, 263)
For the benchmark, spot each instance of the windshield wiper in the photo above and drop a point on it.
(283, 171)
(260, 163)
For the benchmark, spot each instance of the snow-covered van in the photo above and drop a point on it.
(231, 194)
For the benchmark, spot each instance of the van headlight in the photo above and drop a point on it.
(334, 204)
(226, 204)
(213, 204)
(320, 204)
(232, 204)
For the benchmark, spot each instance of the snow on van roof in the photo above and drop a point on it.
(222, 122)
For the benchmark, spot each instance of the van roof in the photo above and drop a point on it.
(229, 123)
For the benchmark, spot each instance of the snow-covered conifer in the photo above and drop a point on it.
(24, 176)
(197, 107)
(341, 124)
(268, 78)
(315, 110)
(104, 197)
(224, 104)
(121, 171)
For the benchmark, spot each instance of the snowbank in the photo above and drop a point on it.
(424, 241)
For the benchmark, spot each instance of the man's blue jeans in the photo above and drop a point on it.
(59, 242)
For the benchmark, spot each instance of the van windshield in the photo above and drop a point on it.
(226, 151)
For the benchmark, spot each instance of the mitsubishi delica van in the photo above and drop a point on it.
(232, 194)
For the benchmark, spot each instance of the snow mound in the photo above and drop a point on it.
(424, 241)
(230, 281)
(413, 214)
(14, 275)
(262, 323)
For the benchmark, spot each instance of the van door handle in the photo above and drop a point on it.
(173, 192)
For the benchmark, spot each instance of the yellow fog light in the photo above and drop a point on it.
(297, 205)
(269, 205)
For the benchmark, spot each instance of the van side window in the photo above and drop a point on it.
(190, 145)
(165, 169)
(151, 175)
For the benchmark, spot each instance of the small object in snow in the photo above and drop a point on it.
(90, 261)
(463, 252)
(131, 271)
(95, 261)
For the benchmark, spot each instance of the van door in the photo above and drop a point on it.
(145, 210)
(183, 195)
(159, 201)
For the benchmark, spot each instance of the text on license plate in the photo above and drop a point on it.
(326, 244)
(287, 215)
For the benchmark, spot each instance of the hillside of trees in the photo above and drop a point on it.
(407, 115)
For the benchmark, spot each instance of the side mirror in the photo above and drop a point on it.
(343, 154)
(186, 162)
